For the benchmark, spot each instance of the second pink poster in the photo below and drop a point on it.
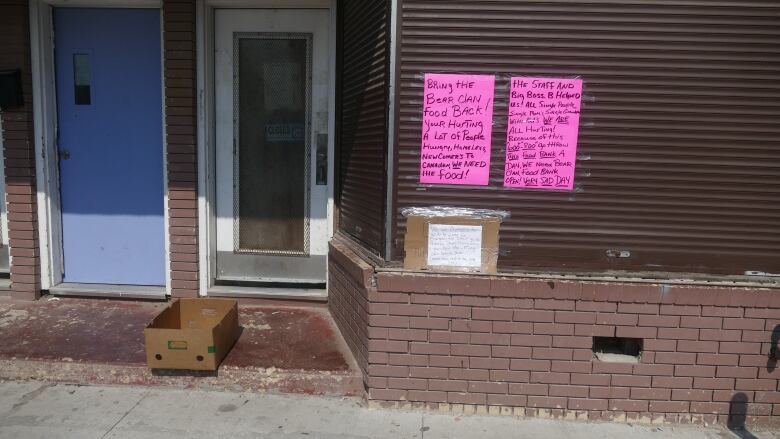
(541, 141)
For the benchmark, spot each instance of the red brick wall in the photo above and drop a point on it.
(526, 345)
(19, 154)
(349, 287)
(180, 126)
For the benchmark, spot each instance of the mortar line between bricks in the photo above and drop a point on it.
(146, 393)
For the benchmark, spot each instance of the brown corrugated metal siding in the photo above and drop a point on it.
(363, 105)
(679, 151)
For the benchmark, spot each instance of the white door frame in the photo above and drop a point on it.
(45, 129)
(4, 237)
(207, 233)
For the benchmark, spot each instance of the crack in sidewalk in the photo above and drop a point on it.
(423, 428)
(125, 415)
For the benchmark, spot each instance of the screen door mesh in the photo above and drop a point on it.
(272, 142)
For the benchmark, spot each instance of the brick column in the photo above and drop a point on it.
(19, 153)
(180, 123)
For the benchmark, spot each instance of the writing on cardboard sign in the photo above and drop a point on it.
(452, 245)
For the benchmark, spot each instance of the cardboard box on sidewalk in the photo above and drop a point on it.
(192, 334)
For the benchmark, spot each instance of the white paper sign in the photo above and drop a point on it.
(454, 246)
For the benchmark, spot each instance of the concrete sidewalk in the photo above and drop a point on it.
(40, 410)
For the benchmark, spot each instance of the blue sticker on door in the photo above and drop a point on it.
(109, 105)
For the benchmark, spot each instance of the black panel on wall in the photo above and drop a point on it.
(363, 81)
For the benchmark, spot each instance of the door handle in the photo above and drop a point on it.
(322, 160)
(64, 154)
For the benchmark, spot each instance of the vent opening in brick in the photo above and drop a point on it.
(617, 349)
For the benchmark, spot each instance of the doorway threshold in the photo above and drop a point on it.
(148, 292)
(310, 294)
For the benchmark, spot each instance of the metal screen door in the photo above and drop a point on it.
(271, 72)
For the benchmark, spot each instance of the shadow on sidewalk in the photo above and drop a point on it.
(738, 416)
(738, 408)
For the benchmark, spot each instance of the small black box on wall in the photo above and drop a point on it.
(11, 89)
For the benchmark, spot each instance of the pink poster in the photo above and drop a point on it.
(456, 127)
(541, 139)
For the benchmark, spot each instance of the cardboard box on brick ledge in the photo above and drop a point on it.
(450, 239)
(193, 334)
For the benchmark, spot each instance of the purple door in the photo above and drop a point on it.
(109, 104)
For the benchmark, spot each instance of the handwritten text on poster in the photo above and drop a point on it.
(457, 123)
(541, 143)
